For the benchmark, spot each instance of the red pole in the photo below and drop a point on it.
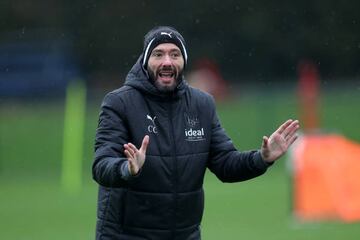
(308, 92)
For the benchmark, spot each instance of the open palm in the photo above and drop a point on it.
(277, 144)
(136, 157)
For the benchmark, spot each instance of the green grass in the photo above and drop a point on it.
(38, 209)
(33, 205)
(260, 209)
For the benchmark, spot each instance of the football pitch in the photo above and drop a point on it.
(34, 206)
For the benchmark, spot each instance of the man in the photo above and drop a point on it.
(155, 139)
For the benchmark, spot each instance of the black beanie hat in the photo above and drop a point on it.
(159, 35)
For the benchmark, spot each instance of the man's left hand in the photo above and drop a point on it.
(277, 144)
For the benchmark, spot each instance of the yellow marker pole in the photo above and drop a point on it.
(75, 105)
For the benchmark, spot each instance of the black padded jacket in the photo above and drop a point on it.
(166, 199)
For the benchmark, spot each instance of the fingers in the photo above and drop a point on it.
(291, 128)
(292, 139)
(288, 130)
(136, 157)
(289, 133)
(127, 154)
(133, 165)
(289, 137)
(131, 147)
(282, 128)
(129, 151)
(132, 150)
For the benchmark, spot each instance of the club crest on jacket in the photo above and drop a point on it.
(193, 129)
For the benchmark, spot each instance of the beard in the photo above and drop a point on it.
(154, 75)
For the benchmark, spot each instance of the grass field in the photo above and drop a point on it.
(33, 205)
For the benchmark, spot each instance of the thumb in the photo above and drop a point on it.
(265, 142)
(264, 147)
(144, 144)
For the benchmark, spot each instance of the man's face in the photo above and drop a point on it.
(165, 66)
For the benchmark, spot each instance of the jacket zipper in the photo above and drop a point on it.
(175, 173)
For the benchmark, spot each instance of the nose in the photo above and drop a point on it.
(167, 60)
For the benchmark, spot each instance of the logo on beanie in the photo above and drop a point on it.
(161, 35)
(165, 33)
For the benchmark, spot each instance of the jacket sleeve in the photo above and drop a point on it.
(228, 164)
(111, 135)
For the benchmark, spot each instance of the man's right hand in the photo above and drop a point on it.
(136, 157)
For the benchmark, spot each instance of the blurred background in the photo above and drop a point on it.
(264, 61)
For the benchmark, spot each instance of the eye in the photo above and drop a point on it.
(175, 54)
(156, 54)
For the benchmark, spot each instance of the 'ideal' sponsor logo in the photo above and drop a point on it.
(194, 133)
